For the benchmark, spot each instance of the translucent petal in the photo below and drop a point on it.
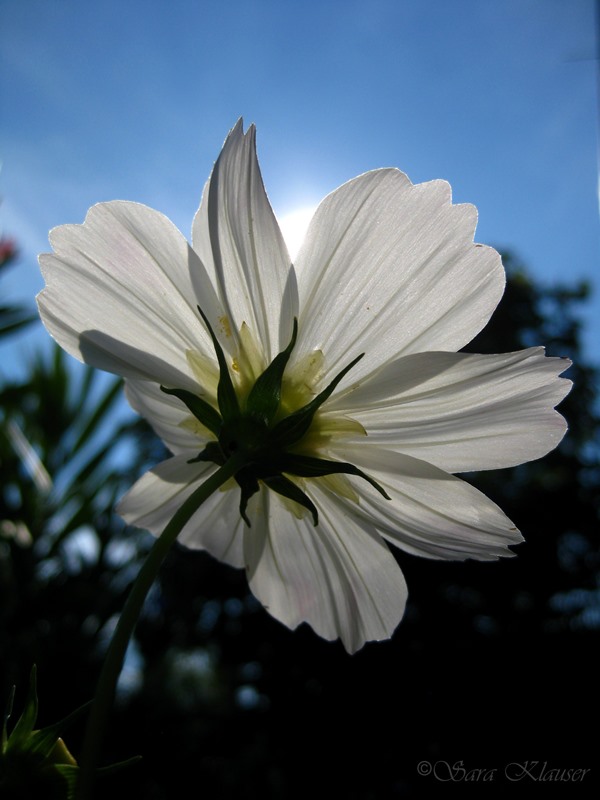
(168, 416)
(431, 513)
(238, 239)
(389, 268)
(463, 411)
(206, 372)
(157, 495)
(119, 294)
(339, 577)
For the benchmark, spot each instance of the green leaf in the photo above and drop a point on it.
(95, 461)
(100, 410)
(25, 723)
(12, 318)
(7, 713)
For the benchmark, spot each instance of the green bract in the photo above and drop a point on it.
(252, 429)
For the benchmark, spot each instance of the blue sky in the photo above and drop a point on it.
(132, 100)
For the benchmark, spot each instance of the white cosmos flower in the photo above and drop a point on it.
(388, 269)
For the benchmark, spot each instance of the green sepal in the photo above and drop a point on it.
(212, 452)
(226, 396)
(248, 487)
(202, 410)
(265, 396)
(292, 428)
(287, 488)
(310, 467)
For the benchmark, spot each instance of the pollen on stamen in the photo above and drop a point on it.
(225, 326)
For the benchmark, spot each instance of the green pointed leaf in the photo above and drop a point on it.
(228, 402)
(80, 517)
(97, 460)
(99, 412)
(103, 772)
(293, 427)
(289, 489)
(89, 375)
(12, 318)
(263, 401)
(7, 713)
(202, 410)
(25, 723)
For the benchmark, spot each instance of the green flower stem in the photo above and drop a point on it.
(111, 669)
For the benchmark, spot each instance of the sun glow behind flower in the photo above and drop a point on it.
(294, 226)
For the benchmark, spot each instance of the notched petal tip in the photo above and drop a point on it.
(237, 135)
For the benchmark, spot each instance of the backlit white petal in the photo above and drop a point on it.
(431, 513)
(462, 411)
(157, 495)
(167, 415)
(339, 577)
(237, 237)
(119, 295)
(389, 268)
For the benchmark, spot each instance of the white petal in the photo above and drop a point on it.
(166, 414)
(339, 577)
(431, 513)
(119, 294)
(154, 499)
(390, 268)
(237, 237)
(462, 411)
